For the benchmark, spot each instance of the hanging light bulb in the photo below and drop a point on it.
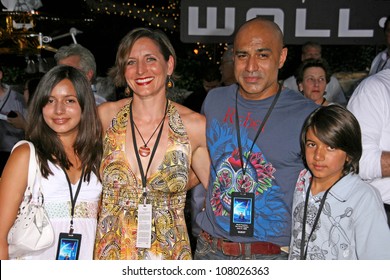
(42, 64)
(31, 67)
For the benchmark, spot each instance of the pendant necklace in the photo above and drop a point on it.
(144, 150)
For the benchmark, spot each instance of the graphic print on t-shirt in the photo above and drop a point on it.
(228, 177)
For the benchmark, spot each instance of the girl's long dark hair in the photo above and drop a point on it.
(88, 144)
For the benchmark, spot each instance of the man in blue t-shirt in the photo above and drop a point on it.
(253, 130)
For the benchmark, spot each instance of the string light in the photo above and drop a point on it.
(164, 15)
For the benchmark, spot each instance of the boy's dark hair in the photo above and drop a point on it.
(337, 127)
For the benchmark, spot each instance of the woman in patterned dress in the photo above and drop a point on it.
(151, 147)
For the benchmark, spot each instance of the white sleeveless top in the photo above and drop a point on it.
(58, 206)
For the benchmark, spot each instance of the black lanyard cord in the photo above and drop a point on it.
(6, 99)
(258, 131)
(141, 170)
(73, 199)
(303, 252)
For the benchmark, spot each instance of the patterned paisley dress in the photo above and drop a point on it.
(122, 193)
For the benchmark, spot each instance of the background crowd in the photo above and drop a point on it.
(236, 138)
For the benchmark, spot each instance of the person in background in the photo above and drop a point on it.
(152, 147)
(382, 59)
(336, 216)
(12, 123)
(66, 132)
(312, 77)
(253, 138)
(195, 197)
(370, 103)
(211, 79)
(19, 120)
(334, 91)
(29, 89)
(105, 87)
(198, 194)
(226, 67)
(81, 58)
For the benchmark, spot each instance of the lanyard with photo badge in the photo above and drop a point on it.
(242, 207)
(69, 242)
(144, 226)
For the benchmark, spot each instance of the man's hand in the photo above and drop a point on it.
(18, 121)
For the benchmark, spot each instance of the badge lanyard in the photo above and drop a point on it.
(144, 221)
(6, 99)
(141, 170)
(69, 243)
(242, 218)
(258, 131)
(303, 253)
(73, 199)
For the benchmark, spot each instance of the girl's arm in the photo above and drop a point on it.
(13, 183)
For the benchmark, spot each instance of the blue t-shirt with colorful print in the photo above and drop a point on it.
(272, 166)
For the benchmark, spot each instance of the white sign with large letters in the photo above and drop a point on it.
(325, 21)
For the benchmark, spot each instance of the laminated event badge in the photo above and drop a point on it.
(242, 208)
(69, 243)
(242, 214)
(144, 227)
(68, 246)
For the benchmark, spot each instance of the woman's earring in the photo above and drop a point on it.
(170, 83)
(127, 91)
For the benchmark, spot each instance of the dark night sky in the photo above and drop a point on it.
(104, 33)
(102, 36)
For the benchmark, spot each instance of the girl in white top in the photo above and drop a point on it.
(64, 127)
